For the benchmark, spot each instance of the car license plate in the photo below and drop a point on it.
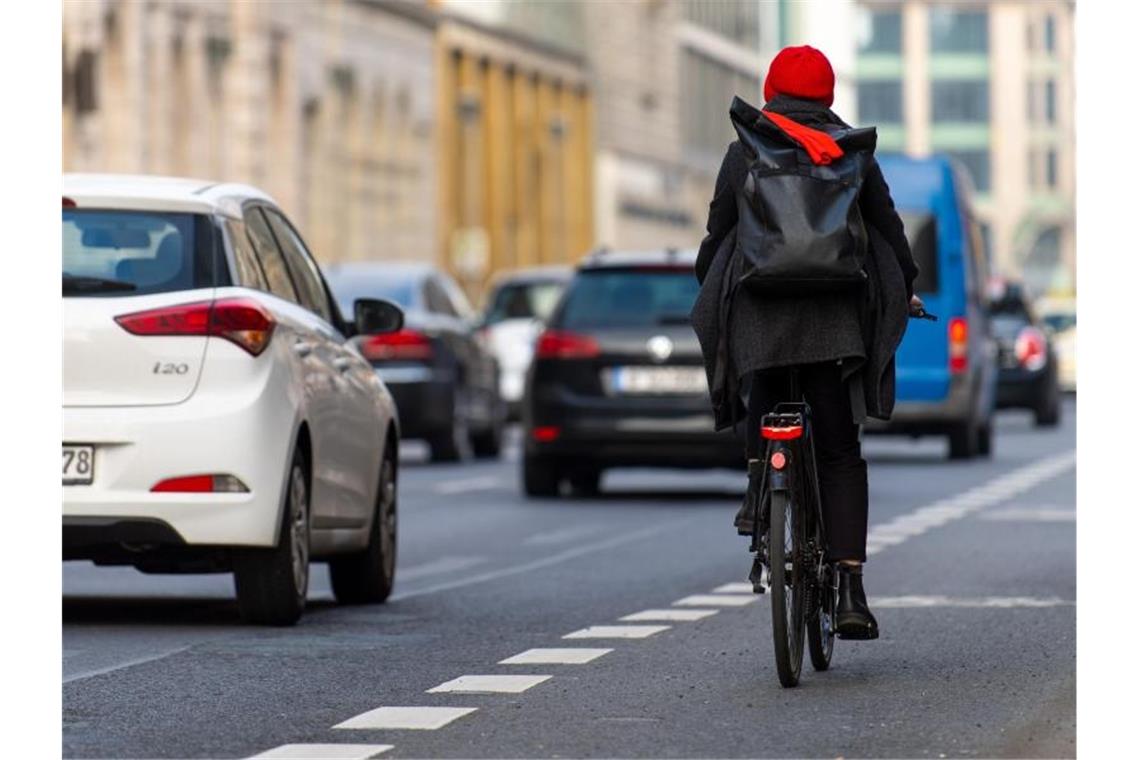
(78, 465)
(658, 380)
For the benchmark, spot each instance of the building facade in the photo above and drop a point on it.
(329, 106)
(992, 85)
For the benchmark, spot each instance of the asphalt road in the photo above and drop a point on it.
(973, 579)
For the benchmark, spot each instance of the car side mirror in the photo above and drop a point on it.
(374, 316)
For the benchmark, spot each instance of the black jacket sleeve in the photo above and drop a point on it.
(879, 210)
(722, 209)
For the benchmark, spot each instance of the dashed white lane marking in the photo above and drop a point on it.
(1018, 514)
(714, 600)
(324, 752)
(617, 632)
(958, 506)
(1001, 602)
(488, 684)
(649, 615)
(413, 718)
(733, 588)
(439, 567)
(560, 536)
(569, 656)
(463, 485)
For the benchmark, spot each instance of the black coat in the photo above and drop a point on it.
(860, 328)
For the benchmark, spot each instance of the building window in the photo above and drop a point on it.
(738, 20)
(960, 100)
(1051, 168)
(977, 163)
(712, 86)
(880, 102)
(86, 93)
(1050, 101)
(954, 31)
(880, 31)
(1050, 34)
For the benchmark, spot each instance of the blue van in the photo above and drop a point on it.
(946, 371)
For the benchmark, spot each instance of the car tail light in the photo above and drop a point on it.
(559, 344)
(200, 484)
(959, 334)
(546, 433)
(242, 321)
(68, 202)
(402, 345)
(1031, 349)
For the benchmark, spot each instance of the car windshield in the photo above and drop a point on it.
(115, 253)
(1060, 321)
(634, 297)
(348, 287)
(524, 300)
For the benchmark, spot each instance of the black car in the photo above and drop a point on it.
(444, 381)
(1027, 362)
(618, 379)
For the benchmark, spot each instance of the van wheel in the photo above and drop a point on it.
(272, 583)
(488, 444)
(540, 477)
(964, 441)
(366, 577)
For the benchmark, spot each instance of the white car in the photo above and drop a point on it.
(216, 415)
(1060, 316)
(517, 305)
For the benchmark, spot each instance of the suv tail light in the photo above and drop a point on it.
(402, 345)
(1031, 349)
(559, 344)
(242, 321)
(959, 333)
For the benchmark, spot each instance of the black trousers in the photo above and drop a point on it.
(842, 470)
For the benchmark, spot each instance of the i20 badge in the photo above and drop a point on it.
(660, 347)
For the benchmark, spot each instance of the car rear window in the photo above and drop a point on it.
(634, 297)
(122, 253)
(922, 234)
(524, 300)
(347, 287)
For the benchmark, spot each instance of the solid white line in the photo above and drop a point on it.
(617, 632)
(125, 664)
(323, 752)
(647, 615)
(481, 483)
(553, 559)
(488, 684)
(560, 536)
(412, 718)
(714, 600)
(1002, 602)
(1031, 515)
(734, 588)
(439, 567)
(568, 656)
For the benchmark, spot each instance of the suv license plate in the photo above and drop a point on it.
(78, 465)
(658, 380)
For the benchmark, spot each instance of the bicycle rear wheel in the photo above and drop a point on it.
(820, 624)
(785, 551)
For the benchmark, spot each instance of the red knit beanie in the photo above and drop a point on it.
(801, 72)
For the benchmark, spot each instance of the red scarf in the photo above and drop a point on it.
(819, 145)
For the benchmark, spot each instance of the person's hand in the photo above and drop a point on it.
(916, 306)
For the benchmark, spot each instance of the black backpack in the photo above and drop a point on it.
(799, 227)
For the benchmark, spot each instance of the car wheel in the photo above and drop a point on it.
(366, 577)
(586, 482)
(1048, 410)
(450, 445)
(964, 441)
(272, 583)
(489, 443)
(540, 477)
(985, 439)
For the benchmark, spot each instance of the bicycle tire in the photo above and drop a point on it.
(785, 550)
(820, 628)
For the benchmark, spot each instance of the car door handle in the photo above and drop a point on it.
(303, 347)
(343, 363)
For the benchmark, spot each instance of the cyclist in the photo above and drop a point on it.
(843, 350)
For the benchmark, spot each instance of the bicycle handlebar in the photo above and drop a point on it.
(924, 314)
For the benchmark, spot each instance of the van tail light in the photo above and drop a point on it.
(959, 332)
(200, 484)
(402, 345)
(242, 321)
(559, 344)
(1031, 349)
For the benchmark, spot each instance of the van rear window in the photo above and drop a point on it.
(922, 234)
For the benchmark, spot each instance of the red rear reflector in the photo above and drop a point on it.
(959, 333)
(242, 321)
(779, 460)
(546, 433)
(782, 433)
(201, 484)
(68, 202)
(401, 345)
(559, 344)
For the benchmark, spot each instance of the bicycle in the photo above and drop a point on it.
(793, 549)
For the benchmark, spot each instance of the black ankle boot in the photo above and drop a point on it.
(853, 618)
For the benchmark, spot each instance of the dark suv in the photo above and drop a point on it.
(1027, 363)
(617, 378)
